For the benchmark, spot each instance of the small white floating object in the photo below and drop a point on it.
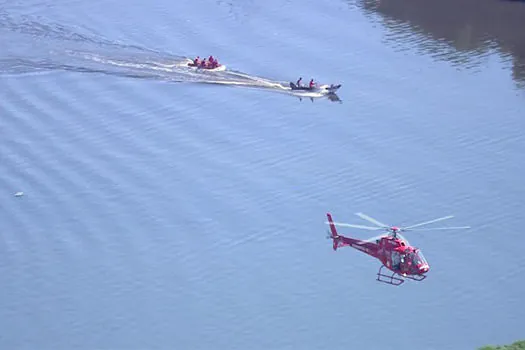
(19, 194)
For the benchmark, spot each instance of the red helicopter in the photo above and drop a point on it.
(392, 249)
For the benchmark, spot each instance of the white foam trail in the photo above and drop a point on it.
(50, 47)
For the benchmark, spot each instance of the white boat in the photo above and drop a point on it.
(323, 89)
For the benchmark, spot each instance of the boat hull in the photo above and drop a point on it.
(319, 89)
(220, 68)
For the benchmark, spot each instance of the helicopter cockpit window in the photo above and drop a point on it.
(418, 258)
(415, 259)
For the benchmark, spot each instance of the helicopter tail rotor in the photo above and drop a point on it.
(333, 232)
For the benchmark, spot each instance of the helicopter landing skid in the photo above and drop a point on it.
(389, 279)
(416, 277)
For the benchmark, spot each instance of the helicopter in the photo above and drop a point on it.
(392, 249)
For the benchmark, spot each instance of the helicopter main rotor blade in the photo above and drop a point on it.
(355, 226)
(372, 220)
(438, 228)
(428, 222)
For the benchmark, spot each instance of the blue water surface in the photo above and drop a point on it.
(162, 213)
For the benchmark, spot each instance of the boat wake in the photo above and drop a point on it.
(33, 47)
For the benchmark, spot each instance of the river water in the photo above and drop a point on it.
(166, 208)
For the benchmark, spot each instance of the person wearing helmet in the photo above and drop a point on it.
(196, 61)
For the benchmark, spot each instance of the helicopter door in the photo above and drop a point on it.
(396, 260)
